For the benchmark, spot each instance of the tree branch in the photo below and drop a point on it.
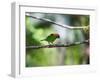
(56, 45)
(61, 25)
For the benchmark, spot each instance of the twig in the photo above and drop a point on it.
(61, 25)
(56, 45)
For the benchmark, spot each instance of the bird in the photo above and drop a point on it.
(51, 38)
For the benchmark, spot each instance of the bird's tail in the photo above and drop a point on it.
(42, 40)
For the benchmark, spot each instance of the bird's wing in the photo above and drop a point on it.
(50, 38)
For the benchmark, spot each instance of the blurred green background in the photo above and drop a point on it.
(36, 30)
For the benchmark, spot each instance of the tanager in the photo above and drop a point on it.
(51, 38)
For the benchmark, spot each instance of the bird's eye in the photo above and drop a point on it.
(58, 36)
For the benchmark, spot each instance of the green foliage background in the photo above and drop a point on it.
(37, 30)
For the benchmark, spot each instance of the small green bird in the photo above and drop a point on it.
(51, 38)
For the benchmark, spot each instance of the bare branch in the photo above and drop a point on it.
(61, 25)
(56, 45)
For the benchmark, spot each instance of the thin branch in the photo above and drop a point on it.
(61, 25)
(56, 45)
